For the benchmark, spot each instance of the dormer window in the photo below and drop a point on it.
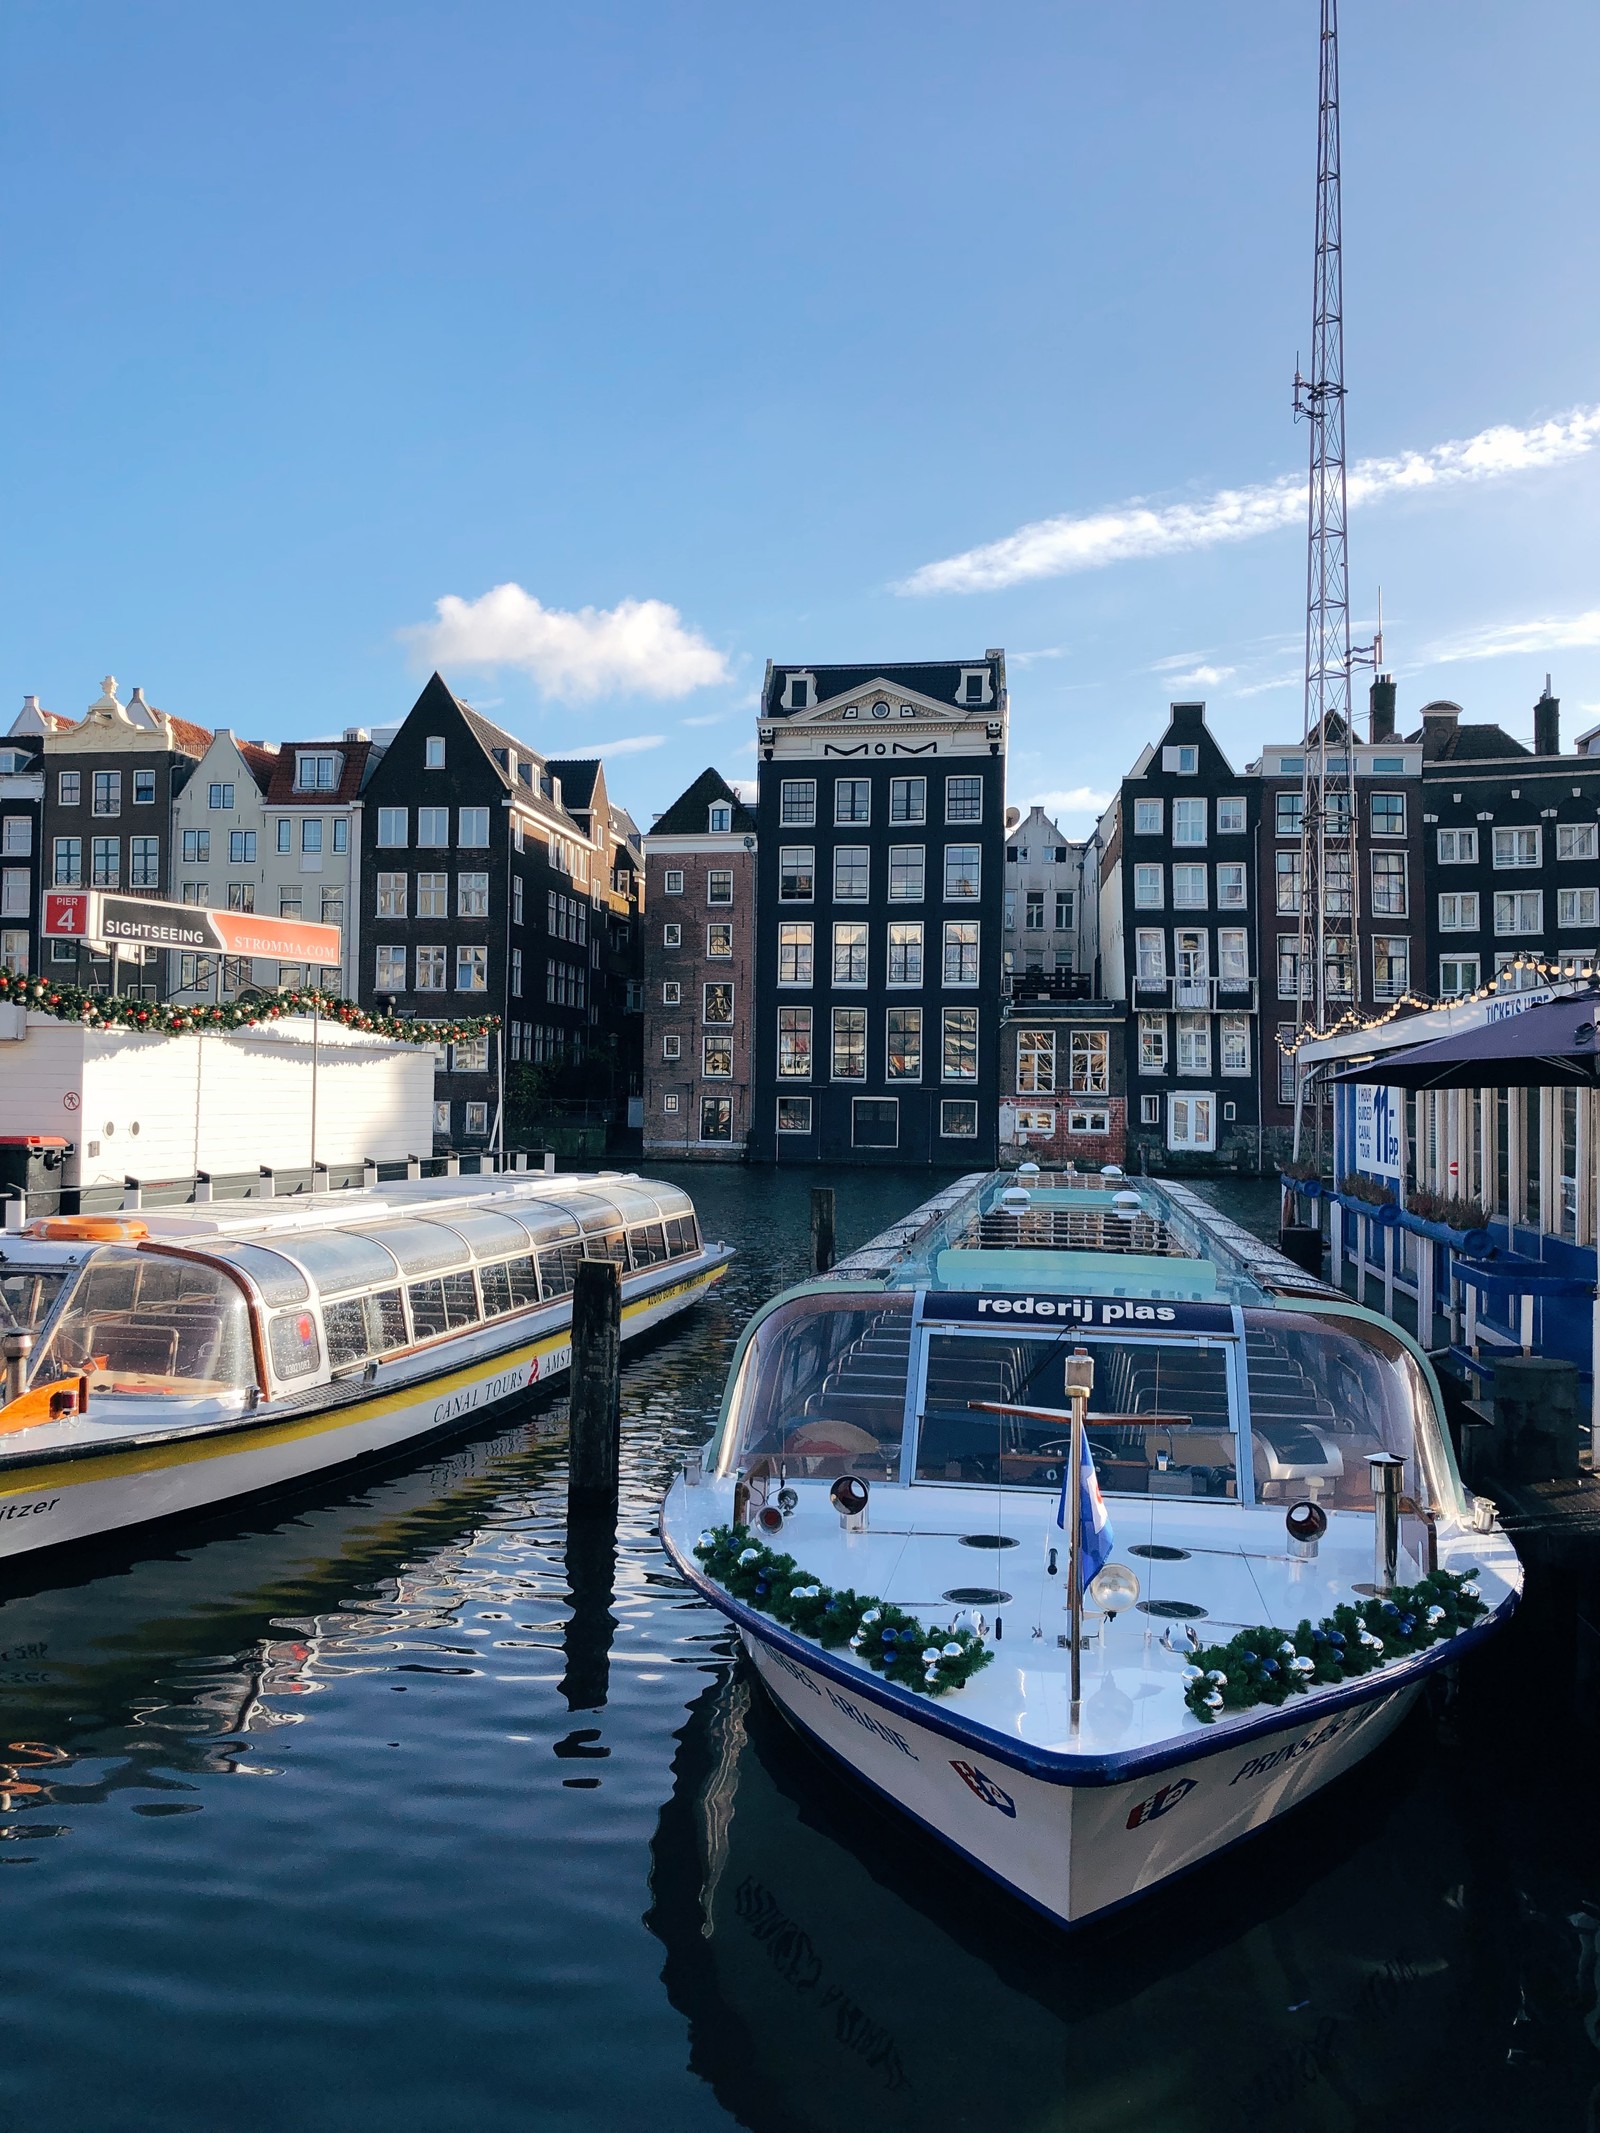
(433, 752)
(1184, 759)
(721, 819)
(799, 692)
(316, 773)
(974, 687)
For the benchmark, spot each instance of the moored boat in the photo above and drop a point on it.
(161, 1363)
(1087, 1674)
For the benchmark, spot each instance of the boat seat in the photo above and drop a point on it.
(127, 1345)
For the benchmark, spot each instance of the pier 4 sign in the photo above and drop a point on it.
(1380, 1134)
(146, 922)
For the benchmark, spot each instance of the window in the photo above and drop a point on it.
(1192, 1122)
(1391, 965)
(472, 828)
(241, 848)
(852, 800)
(1034, 915)
(672, 1045)
(1194, 958)
(908, 799)
(315, 773)
(960, 1050)
(905, 952)
(144, 788)
(906, 873)
(472, 970)
(1081, 1120)
(1577, 907)
(1458, 848)
(716, 1118)
(1152, 1044)
(672, 993)
(432, 752)
(716, 1058)
(672, 881)
(903, 1044)
(961, 951)
(472, 896)
(1149, 1110)
(16, 836)
(716, 1004)
(1148, 888)
(289, 903)
(719, 885)
(875, 1122)
(1194, 1044)
(216, 796)
(1458, 974)
(108, 792)
(433, 896)
(719, 939)
(849, 1044)
(797, 873)
(1230, 817)
(1189, 888)
(341, 833)
(1512, 973)
(794, 1044)
(391, 970)
(1517, 848)
(144, 862)
(1519, 910)
(105, 862)
(1188, 822)
(1288, 813)
(1008, 904)
(1065, 899)
(1575, 840)
(1233, 958)
(1150, 951)
(958, 1119)
(441, 1117)
(1235, 1043)
(1388, 811)
(241, 896)
(196, 846)
(1288, 966)
(794, 1114)
(392, 828)
(477, 1120)
(1337, 965)
(963, 865)
(516, 899)
(1336, 884)
(1388, 885)
(797, 803)
(963, 799)
(1230, 885)
(15, 899)
(1184, 759)
(1036, 1062)
(1090, 1062)
(1458, 911)
(516, 973)
(850, 954)
(1148, 818)
(68, 788)
(795, 941)
(719, 819)
(433, 828)
(851, 873)
(311, 834)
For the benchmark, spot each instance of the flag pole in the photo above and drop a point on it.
(1080, 1383)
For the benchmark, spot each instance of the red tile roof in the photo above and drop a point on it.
(282, 791)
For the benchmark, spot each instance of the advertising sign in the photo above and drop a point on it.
(143, 921)
(1380, 1131)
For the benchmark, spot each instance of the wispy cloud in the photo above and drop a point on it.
(1033, 659)
(1138, 529)
(1201, 677)
(639, 647)
(1272, 683)
(1076, 800)
(1175, 662)
(712, 718)
(1540, 633)
(633, 744)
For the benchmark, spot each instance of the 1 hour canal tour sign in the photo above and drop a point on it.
(145, 922)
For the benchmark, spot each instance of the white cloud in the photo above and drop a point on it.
(1177, 660)
(1541, 633)
(1032, 659)
(1077, 800)
(639, 647)
(1057, 547)
(632, 745)
(713, 718)
(1201, 677)
(1273, 682)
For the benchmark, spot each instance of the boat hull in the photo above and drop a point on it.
(1072, 1849)
(57, 1502)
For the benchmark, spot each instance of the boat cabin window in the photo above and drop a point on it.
(1159, 1421)
(1325, 1394)
(28, 1296)
(647, 1244)
(293, 1345)
(278, 1279)
(443, 1306)
(339, 1261)
(822, 1389)
(419, 1247)
(558, 1268)
(140, 1323)
(364, 1326)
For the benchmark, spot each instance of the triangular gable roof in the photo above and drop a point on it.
(688, 814)
(831, 710)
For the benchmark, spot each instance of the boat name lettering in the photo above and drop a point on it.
(873, 1725)
(991, 1794)
(799, 1673)
(1259, 1765)
(1082, 1311)
(1160, 1803)
(28, 1510)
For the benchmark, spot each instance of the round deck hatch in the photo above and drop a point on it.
(977, 1596)
(1157, 1552)
(1172, 1610)
(987, 1540)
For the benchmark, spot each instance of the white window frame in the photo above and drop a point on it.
(1457, 847)
(1188, 818)
(1578, 907)
(1149, 818)
(1507, 850)
(1575, 840)
(1458, 911)
(1149, 887)
(1192, 1120)
(1518, 913)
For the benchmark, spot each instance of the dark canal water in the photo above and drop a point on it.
(378, 1810)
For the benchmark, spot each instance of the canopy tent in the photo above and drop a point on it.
(1548, 1047)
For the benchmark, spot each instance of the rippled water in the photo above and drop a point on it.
(386, 1808)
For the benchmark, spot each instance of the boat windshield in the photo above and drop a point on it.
(28, 1296)
(822, 1389)
(148, 1323)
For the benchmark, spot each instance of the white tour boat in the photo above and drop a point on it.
(892, 1515)
(159, 1363)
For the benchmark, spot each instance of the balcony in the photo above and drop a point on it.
(1049, 985)
(1226, 996)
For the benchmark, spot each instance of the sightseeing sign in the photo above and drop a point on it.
(144, 922)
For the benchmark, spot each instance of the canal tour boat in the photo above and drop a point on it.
(1086, 1675)
(165, 1362)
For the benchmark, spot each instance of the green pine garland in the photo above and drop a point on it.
(175, 1018)
(891, 1642)
(1269, 1666)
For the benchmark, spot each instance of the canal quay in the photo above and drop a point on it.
(384, 1806)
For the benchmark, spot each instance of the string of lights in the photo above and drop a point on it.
(1567, 971)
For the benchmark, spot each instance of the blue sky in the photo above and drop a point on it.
(710, 332)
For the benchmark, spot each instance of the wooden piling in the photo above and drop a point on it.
(822, 1237)
(594, 1441)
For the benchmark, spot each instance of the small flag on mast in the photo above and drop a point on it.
(1095, 1540)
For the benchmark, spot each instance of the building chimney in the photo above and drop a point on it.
(1547, 723)
(1382, 702)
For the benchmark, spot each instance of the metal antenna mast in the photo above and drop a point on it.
(1330, 964)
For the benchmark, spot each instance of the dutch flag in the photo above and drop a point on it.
(1095, 1540)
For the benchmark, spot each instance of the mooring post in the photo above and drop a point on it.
(594, 1438)
(822, 1239)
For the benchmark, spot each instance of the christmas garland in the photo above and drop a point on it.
(1268, 1666)
(175, 1018)
(889, 1640)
